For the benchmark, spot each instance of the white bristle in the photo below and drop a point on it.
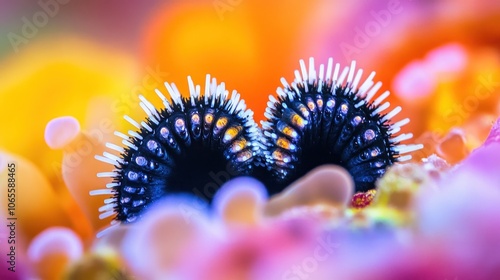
(298, 78)
(110, 200)
(165, 101)
(367, 84)
(105, 160)
(207, 88)
(381, 98)
(130, 145)
(107, 207)
(371, 93)
(381, 108)
(404, 158)
(303, 70)
(132, 122)
(150, 106)
(121, 135)
(312, 70)
(401, 123)
(359, 104)
(106, 174)
(284, 82)
(329, 69)
(146, 126)
(135, 134)
(342, 76)
(148, 112)
(112, 185)
(321, 75)
(403, 149)
(336, 72)
(106, 214)
(102, 192)
(350, 76)
(174, 94)
(357, 78)
(394, 130)
(402, 137)
(115, 147)
(112, 157)
(192, 90)
(392, 113)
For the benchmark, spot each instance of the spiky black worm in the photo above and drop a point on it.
(320, 119)
(179, 149)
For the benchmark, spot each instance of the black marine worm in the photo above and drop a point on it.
(324, 117)
(179, 149)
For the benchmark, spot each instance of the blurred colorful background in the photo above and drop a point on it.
(91, 59)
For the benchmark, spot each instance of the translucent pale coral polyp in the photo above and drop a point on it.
(327, 185)
(240, 201)
(61, 131)
(453, 146)
(79, 168)
(53, 250)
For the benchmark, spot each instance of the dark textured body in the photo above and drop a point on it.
(318, 127)
(181, 153)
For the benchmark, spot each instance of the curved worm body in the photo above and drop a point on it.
(324, 117)
(180, 149)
